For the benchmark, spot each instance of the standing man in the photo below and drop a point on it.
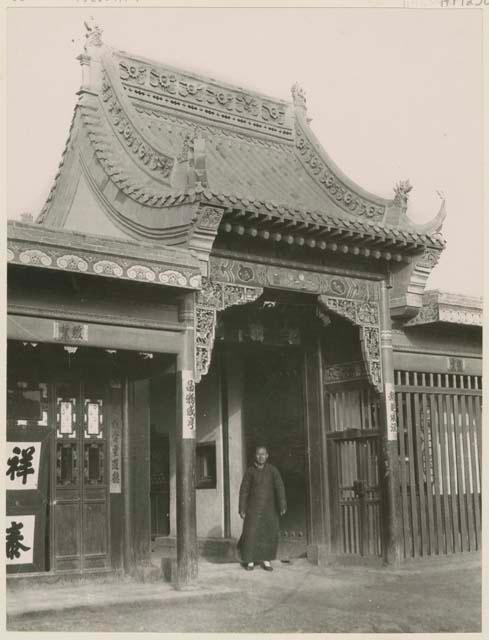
(261, 500)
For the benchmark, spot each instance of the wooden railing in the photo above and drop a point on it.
(439, 427)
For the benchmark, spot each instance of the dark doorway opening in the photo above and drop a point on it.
(274, 416)
(160, 483)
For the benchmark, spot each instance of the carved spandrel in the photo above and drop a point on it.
(215, 296)
(366, 316)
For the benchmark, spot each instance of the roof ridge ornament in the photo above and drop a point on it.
(93, 33)
(298, 96)
(401, 190)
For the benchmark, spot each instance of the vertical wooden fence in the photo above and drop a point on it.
(439, 419)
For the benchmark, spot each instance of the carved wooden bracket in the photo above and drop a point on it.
(409, 284)
(214, 297)
(204, 231)
(363, 314)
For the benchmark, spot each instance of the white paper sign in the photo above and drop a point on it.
(391, 413)
(20, 539)
(188, 404)
(115, 456)
(93, 418)
(66, 417)
(22, 471)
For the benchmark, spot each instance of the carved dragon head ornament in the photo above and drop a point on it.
(401, 190)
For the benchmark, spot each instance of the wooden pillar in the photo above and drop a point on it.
(318, 498)
(187, 550)
(126, 485)
(391, 489)
(223, 386)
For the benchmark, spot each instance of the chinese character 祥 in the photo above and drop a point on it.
(14, 538)
(21, 466)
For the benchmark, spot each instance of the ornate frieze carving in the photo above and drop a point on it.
(155, 162)
(213, 297)
(454, 314)
(85, 262)
(260, 275)
(34, 257)
(344, 197)
(343, 372)
(71, 262)
(195, 95)
(210, 218)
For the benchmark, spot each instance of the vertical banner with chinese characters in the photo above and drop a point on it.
(19, 537)
(390, 399)
(115, 454)
(23, 465)
(26, 474)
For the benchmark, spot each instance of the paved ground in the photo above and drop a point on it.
(293, 598)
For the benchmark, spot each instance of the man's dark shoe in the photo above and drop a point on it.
(267, 567)
(248, 567)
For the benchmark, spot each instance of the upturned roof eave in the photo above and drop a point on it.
(301, 216)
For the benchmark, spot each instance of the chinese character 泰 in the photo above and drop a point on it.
(21, 466)
(14, 537)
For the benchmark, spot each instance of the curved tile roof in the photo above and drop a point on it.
(166, 137)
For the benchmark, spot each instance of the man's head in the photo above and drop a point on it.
(261, 455)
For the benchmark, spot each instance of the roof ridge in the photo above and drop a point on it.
(198, 75)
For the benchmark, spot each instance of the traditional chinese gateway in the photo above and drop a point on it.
(204, 278)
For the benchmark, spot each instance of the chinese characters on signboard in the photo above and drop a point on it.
(115, 456)
(390, 399)
(23, 465)
(70, 331)
(19, 536)
(22, 472)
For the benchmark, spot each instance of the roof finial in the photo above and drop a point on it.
(94, 33)
(402, 189)
(298, 96)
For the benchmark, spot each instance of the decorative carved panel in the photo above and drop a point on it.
(364, 314)
(213, 297)
(355, 299)
(96, 263)
(162, 86)
(254, 274)
(343, 372)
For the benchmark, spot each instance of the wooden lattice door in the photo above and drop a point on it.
(81, 514)
(354, 455)
(358, 507)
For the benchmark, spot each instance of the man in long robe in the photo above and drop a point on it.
(261, 501)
